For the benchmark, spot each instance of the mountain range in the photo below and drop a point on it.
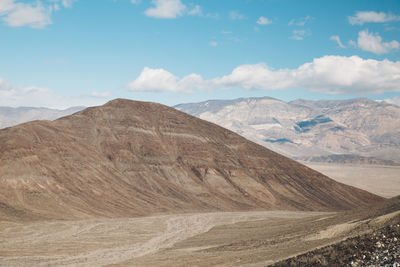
(10, 116)
(356, 130)
(129, 158)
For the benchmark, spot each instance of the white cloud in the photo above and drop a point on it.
(300, 34)
(362, 17)
(34, 14)
(170, 9)
(263, 21)
(328, 74)
(166, 9)
(337, 39)
(158, 80)
(33, 96)
(300, 21)
(11, 95)
(6, 5)
(213, 43)
(136, 2)
(235, 15)
(23, 14)
(394, 100)
(372, 42)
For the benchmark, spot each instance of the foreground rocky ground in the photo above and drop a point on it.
(379, 248)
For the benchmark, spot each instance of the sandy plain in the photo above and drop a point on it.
(381, 180)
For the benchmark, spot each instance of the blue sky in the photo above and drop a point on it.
(61, 53)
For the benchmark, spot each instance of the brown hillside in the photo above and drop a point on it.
(130, 158)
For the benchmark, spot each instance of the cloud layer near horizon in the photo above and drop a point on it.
(12, 95)
(328, 74)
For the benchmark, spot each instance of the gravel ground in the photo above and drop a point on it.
(379, 248)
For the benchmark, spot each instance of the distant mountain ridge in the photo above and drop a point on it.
(10, 116)
(350, 159)
(302, 129)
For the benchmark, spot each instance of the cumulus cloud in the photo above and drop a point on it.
(34, 14)
(6, 5)
(328, 74)
(362, 17)
(158, 80)
(12, 95)
(166, 9)
(263, 21)
(337, 39)
(372, 42)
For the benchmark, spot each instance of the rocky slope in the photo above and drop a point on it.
(130, 158)
(303, 129)
(12, 116)
(374, 244)
(380, 248)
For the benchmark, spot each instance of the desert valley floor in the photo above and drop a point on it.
(201, 239)
(207, 239)
(381, 180)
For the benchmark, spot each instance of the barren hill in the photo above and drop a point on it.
(129, 158)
